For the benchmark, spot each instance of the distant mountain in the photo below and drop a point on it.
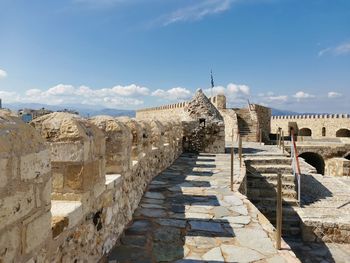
(85, 111)
(277, 112)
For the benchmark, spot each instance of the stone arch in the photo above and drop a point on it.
(315, 160)
(343, 133)
(323, 131)
(305, 132)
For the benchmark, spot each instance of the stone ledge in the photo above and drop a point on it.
(65, 214)
(113, 180)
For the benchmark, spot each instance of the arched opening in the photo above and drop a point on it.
(323, 131)
(315, 160)
(343, 133)
(305, 132)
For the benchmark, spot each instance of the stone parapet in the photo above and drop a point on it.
(314, 126)
(77, 151)
(79, 215)
(25, 191)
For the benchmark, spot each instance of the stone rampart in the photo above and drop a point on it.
(317, 125)
(25, 191)
(97, 182)
(175, 110)
(169, 111)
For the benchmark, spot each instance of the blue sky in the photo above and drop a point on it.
(287, 54)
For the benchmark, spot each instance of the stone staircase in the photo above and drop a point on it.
(246, 126)
(262, 189)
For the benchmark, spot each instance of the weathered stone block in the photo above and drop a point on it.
(10, 242)
(73, 178)
(37, 232)
(67, 152)
(3, 172)
(34, 165)
(57, 180)
(16, 206)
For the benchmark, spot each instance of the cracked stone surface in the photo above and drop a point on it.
(188, 214)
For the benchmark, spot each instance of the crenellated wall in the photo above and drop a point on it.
(325, 125)
(254, 119)
(69, 186)
(25, 191)
(203, 126)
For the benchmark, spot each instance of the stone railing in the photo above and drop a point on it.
(314, 116)
(69, 186)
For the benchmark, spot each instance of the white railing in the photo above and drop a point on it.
(295, 164)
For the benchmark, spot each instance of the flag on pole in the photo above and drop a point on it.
(212, 79)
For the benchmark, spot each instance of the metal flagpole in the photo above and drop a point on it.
(212, 82)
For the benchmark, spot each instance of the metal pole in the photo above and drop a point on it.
(260, 136)
(232, 166)
(240, 151)
(278, 138)
(279, 211)
(283, 142)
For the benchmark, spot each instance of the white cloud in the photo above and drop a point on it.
(271, 97)
(236, 94)
(300, 95)
(177, 93)
(3, 74)
(69, 95)
(333, 94)
(238, 89)
(231, 90)
(197, 11)
(279, 99)
(131, 90)
(342, 49)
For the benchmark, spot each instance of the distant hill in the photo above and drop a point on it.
(85, 111)
(276, 112)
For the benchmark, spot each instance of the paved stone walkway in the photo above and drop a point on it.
(189, 214)
(310, 252)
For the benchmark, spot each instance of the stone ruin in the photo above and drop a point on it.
(250, 123)
(69, 185)
(205, 130)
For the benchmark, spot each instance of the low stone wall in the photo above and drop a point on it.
(337, 167)
(263, 115)
(231, 124)
(97, 182)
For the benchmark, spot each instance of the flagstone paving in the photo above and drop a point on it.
(189, 214)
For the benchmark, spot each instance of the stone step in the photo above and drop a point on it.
(271, 210)
(288, 221)
(270, 177)
(257, 184)
(267, 168)
(271, 201)
(269, 160)
(270, 192)
(291, 231)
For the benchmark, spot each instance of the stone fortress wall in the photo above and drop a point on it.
(327, 125)
(204, 128)
(246, 121)
(313, 132)
(69, 186)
